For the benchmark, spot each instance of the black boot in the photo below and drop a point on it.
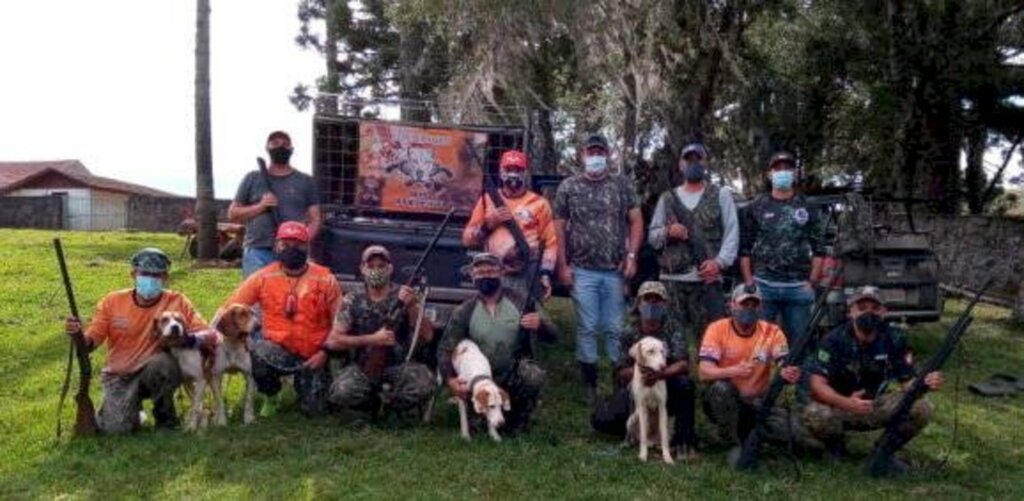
(589, 372)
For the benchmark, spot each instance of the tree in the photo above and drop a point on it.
(206, 209)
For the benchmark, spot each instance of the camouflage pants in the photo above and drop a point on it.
(123, 395)
(694, 305)
(830, 424)
(402, 387)
(271, 362)
(523, 385)
(734, 416)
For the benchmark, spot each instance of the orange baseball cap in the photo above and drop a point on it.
(293, 230)
(513, 159)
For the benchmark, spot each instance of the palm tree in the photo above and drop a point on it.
(206, 209)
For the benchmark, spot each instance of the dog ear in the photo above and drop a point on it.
(634, 351)
(156, 326)
(506, 401)
(227, 324)
(479, 402)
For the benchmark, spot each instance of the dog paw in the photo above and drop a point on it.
(668, 459)
(465, 436)
(643, 457)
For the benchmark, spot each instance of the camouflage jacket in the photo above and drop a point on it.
(596, 218)
(671, 334)
(359, 316)
(780, 236)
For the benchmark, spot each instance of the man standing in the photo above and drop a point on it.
(291, 196)
(136, 367)
(696, 230)
(376, 371)
(782, 247)
(599, 229)
(852, 378)
(652, 319)
(736, 357)
(298, 299)
(493, 320)
(530, 211)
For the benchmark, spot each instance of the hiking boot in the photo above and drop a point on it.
(589, 373)
(269, 407)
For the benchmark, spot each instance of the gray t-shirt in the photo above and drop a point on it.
(296, 192)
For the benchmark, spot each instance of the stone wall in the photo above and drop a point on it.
(164, 214)
(46, 212)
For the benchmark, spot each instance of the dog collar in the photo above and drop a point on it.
(475, 380)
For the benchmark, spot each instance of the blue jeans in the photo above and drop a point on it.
(254, 258)
(600, 305)
(789, 307)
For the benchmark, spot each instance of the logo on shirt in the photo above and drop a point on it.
(801, 216)
(823, 356)
(120, 322)
(525, 217)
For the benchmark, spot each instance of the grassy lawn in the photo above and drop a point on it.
(289, 456)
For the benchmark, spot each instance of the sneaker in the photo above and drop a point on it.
(269, 407)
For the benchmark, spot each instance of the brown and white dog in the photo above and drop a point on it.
(206, 367)
(488, 398)
(650, 403)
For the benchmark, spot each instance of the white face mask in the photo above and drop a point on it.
(595, 164)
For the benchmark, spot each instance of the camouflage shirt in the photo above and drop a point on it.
(360, 316)
(597, 225)
(671, 334)
(780, 236)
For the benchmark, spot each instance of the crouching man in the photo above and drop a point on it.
(493, 320)
(737, 356)
(298, 299)
(136, 367)
(852, 376)
(376, 371)
(652, 319)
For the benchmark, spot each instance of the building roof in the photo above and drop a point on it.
(15, 175)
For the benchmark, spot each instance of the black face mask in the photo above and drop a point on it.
(487, 285)
(292, 258)
(280, 155)
(695, 173)
(870, 322)
(514, 183)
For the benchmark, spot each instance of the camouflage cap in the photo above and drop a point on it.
(743, 292)
(486, 258)
(376, 251)
(865, 292)
(652, 287)
(151, 260)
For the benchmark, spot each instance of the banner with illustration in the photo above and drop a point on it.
(418, 169)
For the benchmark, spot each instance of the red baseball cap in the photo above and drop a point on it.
(513, 159)
(293, 230)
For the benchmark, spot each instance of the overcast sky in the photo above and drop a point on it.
(110, 82)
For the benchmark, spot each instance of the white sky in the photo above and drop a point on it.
(110, 82)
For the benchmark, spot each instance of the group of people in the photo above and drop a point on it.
(588, 240)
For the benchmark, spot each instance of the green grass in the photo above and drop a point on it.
(289, 456)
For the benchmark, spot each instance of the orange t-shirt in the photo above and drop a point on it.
(725, 348)
(317, 296)
(533, 214)
(127, 328)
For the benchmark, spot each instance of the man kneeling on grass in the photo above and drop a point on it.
(298, 299)
(136, 367)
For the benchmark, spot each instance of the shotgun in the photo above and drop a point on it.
(275, 216)
(85, 418)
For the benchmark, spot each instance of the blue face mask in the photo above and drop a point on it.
(148, 287)
(595, 164)
(654, 312)
(783, 179)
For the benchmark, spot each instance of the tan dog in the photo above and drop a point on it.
(233, 327)
(169, 328)
(650, 403)
(488, 398)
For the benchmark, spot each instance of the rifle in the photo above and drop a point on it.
(85, 418)
(529, 306)
(893, 439)
(275, 216)
(522, 246)
(377, 358)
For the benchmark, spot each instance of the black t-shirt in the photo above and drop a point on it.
(849, 365)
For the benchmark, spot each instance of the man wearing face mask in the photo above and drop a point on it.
(359, 326)
(856, 374)
(781, 248)
(255, 205)
(492, 320)
(695, 288)
(652, 319)
(298, 299)
(599, 229)
(530, 211)
(737, 356)
(136, 367)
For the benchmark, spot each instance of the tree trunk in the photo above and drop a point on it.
(974, 178)
(332, 87)
(206, 209)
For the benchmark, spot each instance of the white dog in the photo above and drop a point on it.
(650, 402)
(200, 368)
(488, 399)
